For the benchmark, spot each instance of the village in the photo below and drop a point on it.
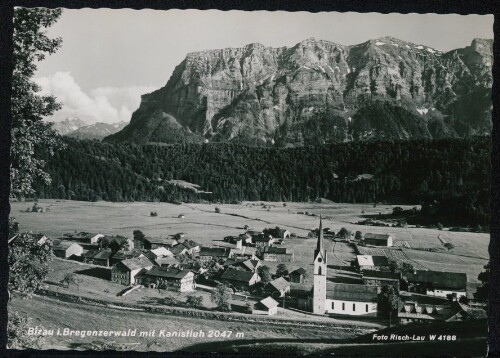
(261, 273)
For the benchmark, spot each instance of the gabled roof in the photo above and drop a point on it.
(299, 271)
(276, 250)
(381, 274)
(178, 249)
(269, 302)
(122, 254)
(63, 245)
(167, 260)
(237, 275)
(161, 251)
(102, 254)
(81, 235)
(262, 238)
(159, 240)
(280, 284)
(451, 280)
(369, 260)
(167, 272)
(190, 244)
(136, 263)
(215, 251)
(249, 264)
(381, 237)
(352, 292)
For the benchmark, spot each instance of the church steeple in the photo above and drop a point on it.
(319, 244)
(320, 267)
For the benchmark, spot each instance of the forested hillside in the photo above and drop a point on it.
(453, 174)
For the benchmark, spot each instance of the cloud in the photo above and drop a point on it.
(103, 104)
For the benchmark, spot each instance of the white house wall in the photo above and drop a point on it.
(346, 307)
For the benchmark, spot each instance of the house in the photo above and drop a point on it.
(98, 257)
(437, 283)
(191, 246)
(240, 279)
(117, 243)
(279, 287)
(247, 238)
(247, 265)
(414, 307)
(167, 261)
(169, 278)
(263, 240)
(298, 275)
(267, 306)
(378, 239)
(245, 253)
(83, 237)
(278, 254)
(125, 272)
(155, 242)
(124, 255)
(178, 250)
(381, 278)
(351, 299)
(369, 262)
(215, 253)
(65, 249)
(278, 233)
(158, 253)
(40, 239)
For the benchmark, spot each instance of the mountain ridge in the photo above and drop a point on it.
(319, 91)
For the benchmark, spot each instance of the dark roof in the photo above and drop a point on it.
(275, 232)
(177, 249)
(276, 250)
(352, 292)
(299, 271)
(451, 280)
(381, 237)
(190, 244)
(167, 272)
(215, 251)
(81, 235)
(159, 240)
(381, 274)
(422, 298)
(137, 262)
(237, 275)
(280, 284)
(261, 238)
(122, 254)
(102, 254)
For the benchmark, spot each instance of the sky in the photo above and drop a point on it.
(110, 57)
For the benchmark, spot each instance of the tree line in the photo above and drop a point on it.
(451, 175)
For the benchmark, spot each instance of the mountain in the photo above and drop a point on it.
(319, 91)
(68, 125)
(97, 130)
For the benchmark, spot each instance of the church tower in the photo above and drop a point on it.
(319, 288)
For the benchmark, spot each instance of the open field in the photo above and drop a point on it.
(203, 225)
(54, 314)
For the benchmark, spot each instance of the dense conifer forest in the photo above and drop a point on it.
(449, 176)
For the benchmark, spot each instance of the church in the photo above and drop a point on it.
(339, 298)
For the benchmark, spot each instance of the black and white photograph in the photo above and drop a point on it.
(252, 182)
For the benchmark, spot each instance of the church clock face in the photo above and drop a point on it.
(320, 259)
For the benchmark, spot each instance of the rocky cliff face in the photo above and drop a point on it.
(319, 91)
